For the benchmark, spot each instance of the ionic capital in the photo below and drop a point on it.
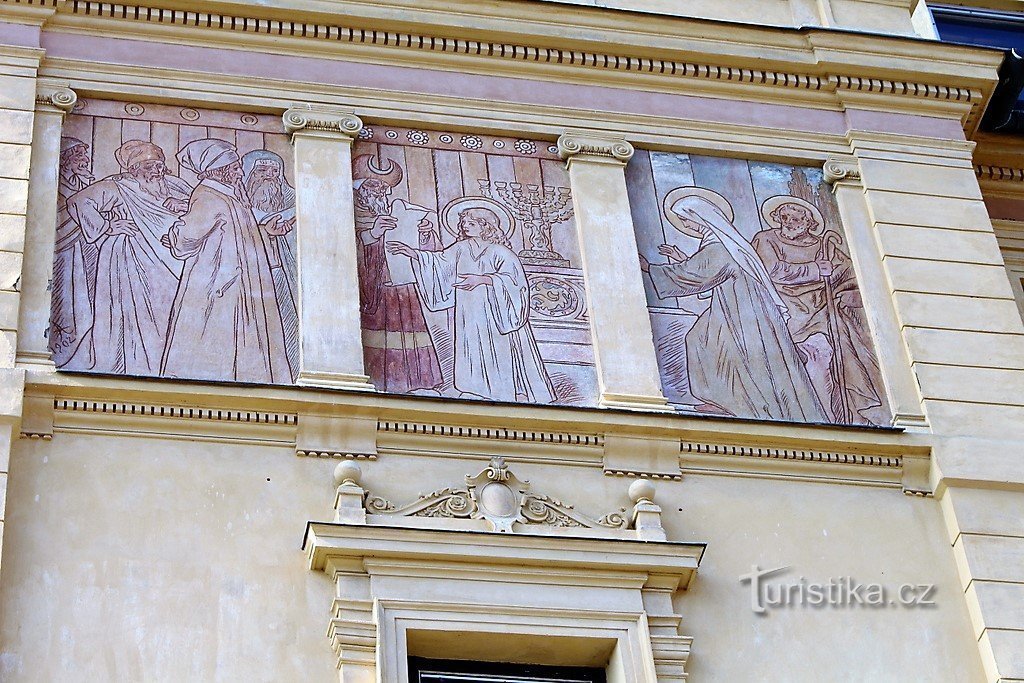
(841, 169)
(585, 145)
(321, 120)
(55, 97)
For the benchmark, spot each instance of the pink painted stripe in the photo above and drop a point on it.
(488, 88)
(21, 35)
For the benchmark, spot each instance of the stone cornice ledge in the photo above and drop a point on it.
(326, 543)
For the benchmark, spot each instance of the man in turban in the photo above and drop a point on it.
(397, 347)
(74, 258)
(225, 323)
(125, 215)
(270, 193)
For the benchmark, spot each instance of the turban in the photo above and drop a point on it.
(200, 156)
(134, 152)
(69, 142)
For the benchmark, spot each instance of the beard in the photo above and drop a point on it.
(374, 202)
(795, 232)
(155, 187)
(266, 194)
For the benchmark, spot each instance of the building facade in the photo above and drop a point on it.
(418, 341)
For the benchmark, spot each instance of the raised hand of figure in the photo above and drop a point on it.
(122, 226)
(672, 253)
(270, 224)
(825, 267)
(645, 265)
(288, 226)
(425, 226)
(175, 205)
(165, 240)
(469, 282)
(401, 248)
(382, 224)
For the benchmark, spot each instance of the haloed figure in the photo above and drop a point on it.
(740, 357)
(481, 278)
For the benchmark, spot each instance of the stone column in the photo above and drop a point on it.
(330, 338)
(619, 322)
(53, 101)
(904, 397)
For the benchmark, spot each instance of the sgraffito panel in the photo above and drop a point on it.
(175, 250)
(470, 274)
(752, 295)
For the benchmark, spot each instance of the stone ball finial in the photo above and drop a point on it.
(347, 472)
(641, 490)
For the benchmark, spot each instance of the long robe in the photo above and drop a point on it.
(74, 276)
(397, 348)
(790, 264)
(740, 356)
(496, 355)
(135, 275)
(282, 251)
(225, 323)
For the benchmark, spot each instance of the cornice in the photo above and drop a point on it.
(669, 54)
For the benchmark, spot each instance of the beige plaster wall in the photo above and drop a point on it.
(157, 560)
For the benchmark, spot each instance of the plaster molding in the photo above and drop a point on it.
(491, 433)
(323, 120)
(580, 144)
(55, 97)
(841, 169)
(507, 505)
(961, 77)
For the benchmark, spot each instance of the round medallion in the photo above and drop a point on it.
(133, 109)
(498, 500)
(189, 114)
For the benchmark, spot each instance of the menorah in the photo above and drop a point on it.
(539, 208)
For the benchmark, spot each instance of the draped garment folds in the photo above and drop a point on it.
(791, 264)
(740, 355)
(225, 323)
(397, 348)
(74, 276)
(135, 275)
(496, 355)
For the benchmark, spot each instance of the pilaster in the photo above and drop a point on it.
(942, 262)
(843, 173)
(330, 347)
(53, 101)
(619, 323)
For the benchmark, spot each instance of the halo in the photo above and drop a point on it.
(772, 203)
(691, 191)
(450, 214)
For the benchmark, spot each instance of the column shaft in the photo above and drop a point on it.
(619, 322)
(330, 346)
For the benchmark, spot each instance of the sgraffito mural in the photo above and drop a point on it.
(753, 300)
(470, 274)
(175, 253)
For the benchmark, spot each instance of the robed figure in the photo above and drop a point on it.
(397, 347)
(224, 323)
(815, 279)
(74, 258)
(482, 279)
(740, 357)
(125, 216)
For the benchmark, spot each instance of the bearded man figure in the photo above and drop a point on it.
(74, 258)
(397, 348)
(827, 316)
(125, 215)
(225, 323)
(270, 193)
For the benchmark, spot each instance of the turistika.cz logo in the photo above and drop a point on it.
(842, 592)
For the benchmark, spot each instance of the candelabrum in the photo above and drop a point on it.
(539, 208)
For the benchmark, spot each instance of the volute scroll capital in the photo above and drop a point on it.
(322, 120)
(841, 169)
(55, 96)
(577, 144)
